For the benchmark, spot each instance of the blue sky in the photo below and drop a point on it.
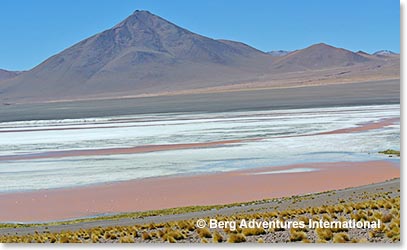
(32, 31)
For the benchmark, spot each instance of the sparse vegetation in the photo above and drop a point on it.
(390, 152)
(217, 237)
(324, 234)
(297, 235)
(204, 233)
(145, 236)
(341, 238)
(253, 231)
(236, 238)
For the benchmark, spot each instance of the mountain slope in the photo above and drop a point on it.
(5, 74)
(385, 53)
(146, 55)
(318, 56)
(142, 54)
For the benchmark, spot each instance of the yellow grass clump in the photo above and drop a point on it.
(146, 236)
(204, 232)
(297, 235)
(253, 231)
(387, 218)
(236, 238)
(217, 237)
(341, 238)
(324, 233)
(126, 239)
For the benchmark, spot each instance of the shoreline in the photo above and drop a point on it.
(354, 195)
(350, 94)
(210, 90)
(205, 189)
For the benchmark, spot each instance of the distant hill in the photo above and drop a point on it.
(318, 56)
(146, 54)
(362, 53)
(385, 53)
(279, 52)
(5, 74)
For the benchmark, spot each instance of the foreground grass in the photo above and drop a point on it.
(377, 206)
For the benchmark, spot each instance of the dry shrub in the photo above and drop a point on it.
(217, 237)
(204, 232)
(236, 238)
(253, 231)
(341, 238)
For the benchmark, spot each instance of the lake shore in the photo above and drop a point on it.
(206, 189)
(350, 94)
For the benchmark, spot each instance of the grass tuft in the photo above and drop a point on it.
(217, 237)
(204, 233)
(236, 238)
(341, 238)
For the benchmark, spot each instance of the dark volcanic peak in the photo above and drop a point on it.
(145, 31)
(140, 39)
(319, 56)
(149, 33)
(142, 54)
(144, 36)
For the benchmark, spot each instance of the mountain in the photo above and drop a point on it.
(147, 55)
(143, 54)
(362, 53)
(5, 74)
(384, 53)
(279, 53)
(318, 56)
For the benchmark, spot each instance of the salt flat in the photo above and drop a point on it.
(98, 148)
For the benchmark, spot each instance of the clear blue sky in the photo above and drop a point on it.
(32, 31)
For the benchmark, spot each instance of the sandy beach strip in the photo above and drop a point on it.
(177, 191)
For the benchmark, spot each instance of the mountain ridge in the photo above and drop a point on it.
(384, 53)
(8, 74)
(319, 56)
(145, 54)
(279, 53)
